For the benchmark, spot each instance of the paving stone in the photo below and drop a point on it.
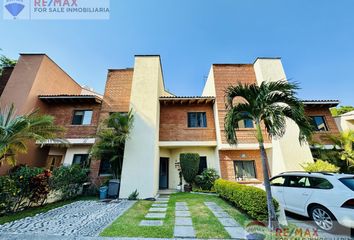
(78, 219)
(236, 232)
(155, 209)
(155, 215)
(221, 214)
(183, 221)
(159, 205)
(181, 204)
(216, 209)
(210, 203)
(162, 199)
(183, 214)
(228, 222)
(151, 223)
(181, 208)
(184, 231)
(159, 202)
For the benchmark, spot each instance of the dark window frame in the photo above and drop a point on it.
(204, 123)
(84, 163)
(202, 159)
(244, 161)
(81, 121)
(314, 124)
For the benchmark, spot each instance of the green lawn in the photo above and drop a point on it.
(205, 223)
(33, 211)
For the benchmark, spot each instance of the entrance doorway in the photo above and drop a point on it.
(163, 180)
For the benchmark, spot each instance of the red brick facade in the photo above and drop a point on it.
(174, 122)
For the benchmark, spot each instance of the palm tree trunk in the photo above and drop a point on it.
(272, 217)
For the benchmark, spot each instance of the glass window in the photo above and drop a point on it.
(197, 120)
(246, 123)
(278, 181)
(82, 117)
(202, 165)
(105, 167)
(319, 123)
(81, 159)
(298, 181)
(244, 170)
(349, 182)
(320, 183)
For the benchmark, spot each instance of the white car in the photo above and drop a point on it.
(327, 198)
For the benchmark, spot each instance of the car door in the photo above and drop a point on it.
(277, 187)
(296, 194)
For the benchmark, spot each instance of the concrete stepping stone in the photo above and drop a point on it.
(159, 205)
(236, 232)
(162, 199)
(210, 203)
(184, 231)
(183, 214)
(156, 209)
(151, 223)
(221, 214)
(181, 208)
(155, 215)
(181, 204)
(183, 221)
(228, 222)
(216, 209)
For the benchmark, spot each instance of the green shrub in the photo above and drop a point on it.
(189, 166)
(68, 180)
(251, 200)
(134, 195)
(206, 180)
(39, 187)
(320, 166)
(8, 192)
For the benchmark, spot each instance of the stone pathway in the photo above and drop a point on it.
(183, 222)
(81, 218)
(234, 229)
(156, 212)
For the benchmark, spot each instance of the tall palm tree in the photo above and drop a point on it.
(17, 130)
(111, 140)
(269, 104)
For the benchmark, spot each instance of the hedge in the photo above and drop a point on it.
(251, 200)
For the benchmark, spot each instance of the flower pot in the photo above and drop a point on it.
(187, 188)
(179, 188)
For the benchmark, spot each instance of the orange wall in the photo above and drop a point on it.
(174, 123)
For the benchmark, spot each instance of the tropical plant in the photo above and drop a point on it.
(134, 195)
(112, 135)
(337, 111)
(189, 166)
(269, 104)
(6, 62)
(17, 130)
(206, 180)
(320, 166)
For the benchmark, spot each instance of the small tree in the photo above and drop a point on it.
(189, 166)
(320, 166)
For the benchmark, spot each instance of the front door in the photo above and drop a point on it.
(54, 161)
(163, 182)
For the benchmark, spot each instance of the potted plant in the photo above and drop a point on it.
(189, 168)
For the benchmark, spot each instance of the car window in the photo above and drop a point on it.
(277, 181)
(320, 183)
(298, 181)
(349, 182)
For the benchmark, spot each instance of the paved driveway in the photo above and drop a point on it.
(81, 218)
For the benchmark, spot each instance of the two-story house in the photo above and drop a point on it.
(167, 125)
(37, 82)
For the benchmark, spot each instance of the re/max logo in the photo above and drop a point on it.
(55, 3)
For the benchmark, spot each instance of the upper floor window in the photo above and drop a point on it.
(197, 120)
(82, 117)
(246, 123)
(319, 123)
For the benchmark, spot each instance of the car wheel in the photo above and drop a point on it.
(323, 218)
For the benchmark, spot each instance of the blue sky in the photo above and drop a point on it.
(314, 38)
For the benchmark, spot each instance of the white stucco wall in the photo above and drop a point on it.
(287, 153)
(69, 155)
(141, 156)
(345, 122)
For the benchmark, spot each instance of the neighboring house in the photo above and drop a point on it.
(345, 121)
(37, 82)
(166, 126)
